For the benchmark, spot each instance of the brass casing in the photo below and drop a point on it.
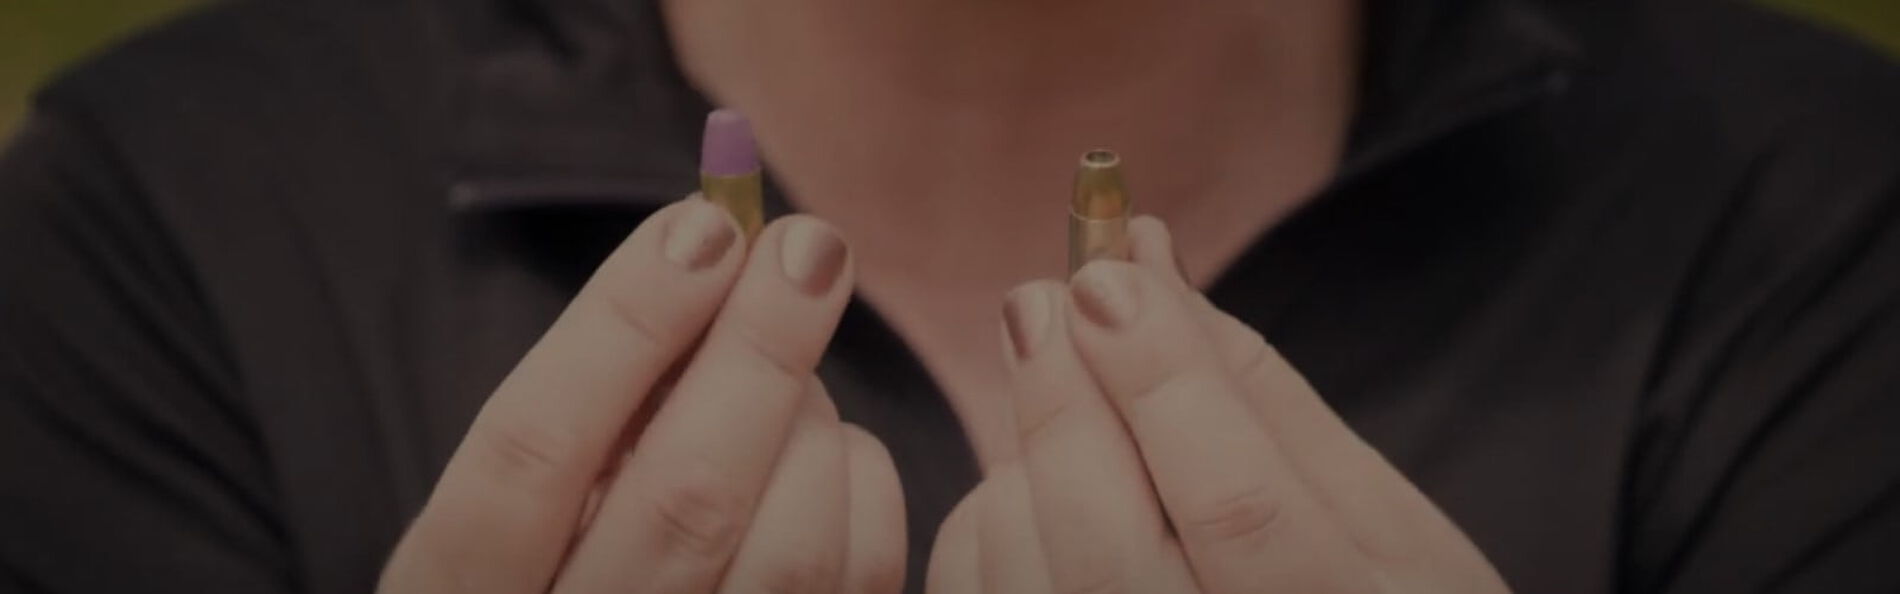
(1099, 211)
(743, 196)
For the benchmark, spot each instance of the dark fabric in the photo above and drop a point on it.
(1616, 283)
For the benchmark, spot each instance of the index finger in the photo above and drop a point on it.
(1246, 520)
(686, 495)
(1393, 524)
(1095, 511)
(506, 506)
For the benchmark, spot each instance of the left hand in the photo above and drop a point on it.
(1167, 448)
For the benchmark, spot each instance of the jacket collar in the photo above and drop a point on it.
(1434, 67)
(580, 104)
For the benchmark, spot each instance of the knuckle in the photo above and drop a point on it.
(783, 365)
(1095, 581)
(417, 567)
(1036, 424)
(1249, 355)
(1245, 519)
(1383, 552)
(634, 317)
(884, 574)
(818, 399)
(802, 574)
(523, 452)
(1103, 566)
(1168, 385)
(697, 515)
(863, 443)
(960, 525)
(865, 453)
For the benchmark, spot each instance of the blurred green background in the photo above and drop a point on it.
(39, 36)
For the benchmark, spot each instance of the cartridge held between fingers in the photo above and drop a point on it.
(1099, 210)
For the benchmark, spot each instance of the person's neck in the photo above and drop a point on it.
(918, 125)
(940, 136)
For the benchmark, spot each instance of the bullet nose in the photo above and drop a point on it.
(727, 147)
(1100, 192)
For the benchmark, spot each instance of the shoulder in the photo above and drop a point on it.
(1775, 354)
(1784, 85)
(266, 148)
(228, 51)
(1763, 84)
(237, 123)
(257, 46)
(216, 90)
(1783, 91)
(1781, 135)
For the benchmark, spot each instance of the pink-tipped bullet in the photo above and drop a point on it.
(728, 148)
(729, 173)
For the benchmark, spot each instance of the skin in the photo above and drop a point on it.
(666, 434)
(915, 125)
(1166, 448)
(1174, 451)
(592, 468)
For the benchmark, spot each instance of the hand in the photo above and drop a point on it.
(743, 479)
(1167, 448)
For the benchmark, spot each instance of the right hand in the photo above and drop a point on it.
(743, 480)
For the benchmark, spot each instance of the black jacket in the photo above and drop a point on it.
(1616, 283)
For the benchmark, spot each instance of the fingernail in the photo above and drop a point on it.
(698, 237)
(1025, 320)
(812, 256)
(1105, 294)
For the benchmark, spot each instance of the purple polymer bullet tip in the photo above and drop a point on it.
(727, 148)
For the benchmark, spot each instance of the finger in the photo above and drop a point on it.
(796, 542)
(1009, 550)
(1245, 520)
(1151, 246)
(1094, 506)
(682, 500)
(955, 566)
(1394, 525)
(506, 506)
(875, 557)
